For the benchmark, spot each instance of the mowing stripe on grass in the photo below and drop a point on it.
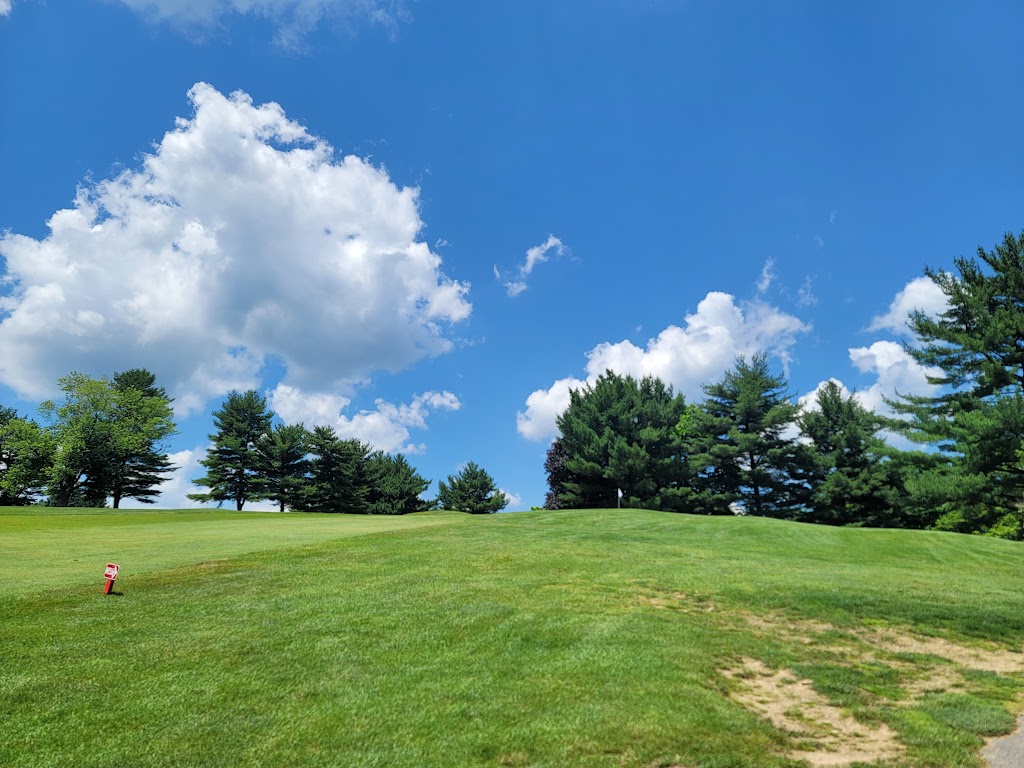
(51, 550)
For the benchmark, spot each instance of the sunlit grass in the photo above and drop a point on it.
(592, 638)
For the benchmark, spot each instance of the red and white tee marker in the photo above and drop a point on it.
(110, 575)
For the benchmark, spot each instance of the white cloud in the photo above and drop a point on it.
(515, 501)
(292, 18)
(896, 371)
(534, 256)
(809, 401)
(241, 236)
(764, 282)
(920, 293)
(386, 428)
(805, 294)
(5, 7)
(686, 357)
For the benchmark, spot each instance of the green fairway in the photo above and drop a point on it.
(42, 549)
(590, 638)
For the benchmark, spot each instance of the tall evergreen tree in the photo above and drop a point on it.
(471, 490)
(741, 448)
(619, 433)
(856, 482)
(234, 466)
(337, 474)
(393, 486)
(285, 464)
(977, 420)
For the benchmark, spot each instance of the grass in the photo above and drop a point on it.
(43, 549)
(589, 638)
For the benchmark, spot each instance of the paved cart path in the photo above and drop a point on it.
(1007, 751)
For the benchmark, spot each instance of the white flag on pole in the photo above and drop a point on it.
(620, 493)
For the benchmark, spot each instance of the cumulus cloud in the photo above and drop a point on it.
(386, 428)
(515, 501)
(896, 372)
(242, 236)
(5, 7)
(538, 254)
(809, 401)
(292, 18)
(686, 356)
(920, 293)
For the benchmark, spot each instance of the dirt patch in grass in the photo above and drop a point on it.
(667, 600)
(986, 659)
(827, 735)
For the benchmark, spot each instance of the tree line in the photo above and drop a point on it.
(748, 449)
(252, 459)
(102, 439)
(106, 440)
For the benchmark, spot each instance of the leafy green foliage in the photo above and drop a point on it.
(108, 439)
(558, 474)
(855, 481)
(740, 449)
(620, 434)
(471, 490)
(143, 421)
(977, 420)
(26, 453)
(234, 466)
(81, 423)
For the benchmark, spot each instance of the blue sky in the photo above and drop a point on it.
(424, 222)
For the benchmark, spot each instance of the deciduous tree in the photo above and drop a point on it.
(26, 453)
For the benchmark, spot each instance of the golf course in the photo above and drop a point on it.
(572, 638)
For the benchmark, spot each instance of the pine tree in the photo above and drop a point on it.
(856, 482)
(337, 474)
(393, 486)
(740, 447)
(284, 464)
(619, 433)
(472, 490)
(234, 467)
(977, 420)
